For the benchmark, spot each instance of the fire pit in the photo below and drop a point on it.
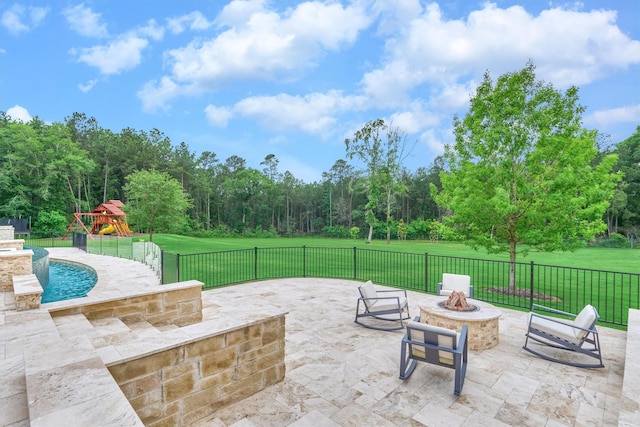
(481, 318)
(458, 301)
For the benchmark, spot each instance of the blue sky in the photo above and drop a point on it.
(294, 79)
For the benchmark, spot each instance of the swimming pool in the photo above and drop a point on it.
(68, 280)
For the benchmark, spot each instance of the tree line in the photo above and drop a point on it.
(62, 168)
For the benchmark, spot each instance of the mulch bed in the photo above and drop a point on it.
(524, 293)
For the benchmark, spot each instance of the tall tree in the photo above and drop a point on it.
(155, 202)
(521, 171)
(629, 164)
(381, 148)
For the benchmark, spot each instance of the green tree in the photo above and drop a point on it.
(155, 202)
(381, 149)
(521, 170)
(629, 164)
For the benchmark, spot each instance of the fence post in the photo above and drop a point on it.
(177, 267)
(531, 288)
(304, 261)
(161, 267)
(426, 272)
(255, 263)
(355, 276)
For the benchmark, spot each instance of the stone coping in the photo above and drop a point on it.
(105, 297)
(630, 402)
(120, 353)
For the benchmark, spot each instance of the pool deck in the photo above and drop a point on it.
(341, 374)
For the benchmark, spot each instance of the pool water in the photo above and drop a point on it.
(67, 281)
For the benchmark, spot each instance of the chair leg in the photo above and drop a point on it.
(407, 365)
(460, 373)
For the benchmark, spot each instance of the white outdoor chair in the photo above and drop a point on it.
(455, 282)
(389, 305)
(578, 335)
(435, 345)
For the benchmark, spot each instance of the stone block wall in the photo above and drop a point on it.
(7, 232)
(177, 304)
(13, 263)
(188, 382)
(28, 292)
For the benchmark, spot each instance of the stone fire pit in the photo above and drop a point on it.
(482, 320)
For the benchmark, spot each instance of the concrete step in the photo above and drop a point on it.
(14, 405)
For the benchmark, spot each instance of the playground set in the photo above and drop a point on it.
(106, 218)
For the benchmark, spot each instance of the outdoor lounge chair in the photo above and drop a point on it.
(578, 335)
(389, 305)
(455, 282)
(435, 345)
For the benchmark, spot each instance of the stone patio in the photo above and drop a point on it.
(340, 374)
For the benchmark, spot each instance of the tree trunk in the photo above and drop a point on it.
(106, 181)
(370, 234)
(512, 266)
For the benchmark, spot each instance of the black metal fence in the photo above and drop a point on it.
(565, 288)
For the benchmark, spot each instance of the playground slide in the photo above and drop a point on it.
(107, 230)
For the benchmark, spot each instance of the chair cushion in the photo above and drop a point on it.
(455, 282)
(566, 331)
(585, 319)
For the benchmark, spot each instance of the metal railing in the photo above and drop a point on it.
(565, 288)
(121, 247)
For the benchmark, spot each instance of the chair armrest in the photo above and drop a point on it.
(563, 322)
(393, 290)
(553, 310)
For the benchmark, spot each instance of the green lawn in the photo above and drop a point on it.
(625, 260)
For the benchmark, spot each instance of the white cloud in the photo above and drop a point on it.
(314, 113)
(85, 22)
(218, 116)
(84, 88)
(18, 113)
(569, 47)
(414, 118)
(627, 114)
(434, 142)
(194, 21)
(19, 19)
(151, 30)
(123, 53)
(258, 43)
(155, 95)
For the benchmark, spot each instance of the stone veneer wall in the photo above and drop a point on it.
(176, 304)
(188, 382)
(14, 263)
(12, 244)
(7, 232)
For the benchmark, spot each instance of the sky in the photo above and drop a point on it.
(255, 77)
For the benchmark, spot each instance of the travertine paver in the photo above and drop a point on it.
(339, 373)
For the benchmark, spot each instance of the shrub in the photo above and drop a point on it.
(49, 223)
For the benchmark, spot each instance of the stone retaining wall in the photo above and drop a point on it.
(176, 304)
(14, 263)
(190, 381)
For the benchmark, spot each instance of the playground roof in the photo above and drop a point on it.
(112, 207)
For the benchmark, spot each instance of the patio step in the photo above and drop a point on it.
(107, 331)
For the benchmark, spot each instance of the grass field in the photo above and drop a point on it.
(612, 259)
